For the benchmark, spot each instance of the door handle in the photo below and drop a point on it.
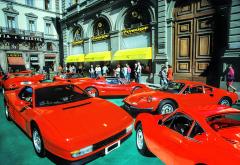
(211, 95)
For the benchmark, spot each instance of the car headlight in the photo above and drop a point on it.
(82, 151)
(26, 83)
(149, 99)
(129, 128)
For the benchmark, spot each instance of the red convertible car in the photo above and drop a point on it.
(13, 81)
(64, 120)
(200, 136)
(70, 77)
(178, 94)
(109, 86)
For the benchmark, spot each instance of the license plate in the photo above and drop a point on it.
(112, 147)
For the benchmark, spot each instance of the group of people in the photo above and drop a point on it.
(124, 71)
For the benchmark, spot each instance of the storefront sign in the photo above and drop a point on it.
(100, 37)
(14, 54)
(34, 58)
(75, 58)
(77, 42)
(98, 56)
(135, 30)
(18, 37)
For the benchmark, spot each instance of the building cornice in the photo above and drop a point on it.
(32, 7)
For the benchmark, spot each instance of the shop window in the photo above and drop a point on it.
(49, 46)
(101, 27)
(137, 16)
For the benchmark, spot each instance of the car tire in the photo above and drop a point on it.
(140, 142)
(89, 90)
(166, 107)
(7, 114)
(38, 142)
(135, 88)
(225, 101)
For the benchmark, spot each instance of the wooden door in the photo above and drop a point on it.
(193, 39)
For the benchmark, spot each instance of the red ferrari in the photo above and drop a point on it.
(199, 136)
(178, 94)
(64, 120)
(109, 86)
(13, 81)
(70, 77)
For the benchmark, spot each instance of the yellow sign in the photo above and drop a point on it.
(75, 58)
(133, 54)
(98, 56)
(77, 42)
(135, 30)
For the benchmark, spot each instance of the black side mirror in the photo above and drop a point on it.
(160, 122)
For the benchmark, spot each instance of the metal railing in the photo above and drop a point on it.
(15, 31)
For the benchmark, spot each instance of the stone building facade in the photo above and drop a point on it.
(197, 37)
(29, 34)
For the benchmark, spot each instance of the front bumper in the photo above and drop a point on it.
(135, 110)
(90, 157)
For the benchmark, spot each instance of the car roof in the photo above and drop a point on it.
(188, 82)
(207, 111)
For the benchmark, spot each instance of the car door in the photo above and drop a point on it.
(169, 137)
(113, 86)
(195, 148)
(23, 106)
(194, 95)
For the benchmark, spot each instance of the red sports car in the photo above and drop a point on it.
(1, 76)
(66, 121)
(13, 81)
(200, 136)
(178, 94)
(109, 86)
(70, 77)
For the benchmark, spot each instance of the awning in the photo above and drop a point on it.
(15, 61)
(75, 58)
(98, 56)
(133, 54)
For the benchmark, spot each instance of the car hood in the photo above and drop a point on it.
(88, 121)
(231, 135)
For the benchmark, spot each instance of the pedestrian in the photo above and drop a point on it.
(170, 73)
(60, 69)
(125, 72)
(129, 70)
(92, 72)
(104, 70)
(229, 72)
(117, 71)
(135, 72)
(163, 76)
(139, 72)
(98, 71)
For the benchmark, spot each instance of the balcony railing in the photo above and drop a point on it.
(21, 32)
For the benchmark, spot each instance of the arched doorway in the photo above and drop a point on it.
(194, 33)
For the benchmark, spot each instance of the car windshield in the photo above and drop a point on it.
(173, 87)
(67, 76)
(222, 121)
(55, 95)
